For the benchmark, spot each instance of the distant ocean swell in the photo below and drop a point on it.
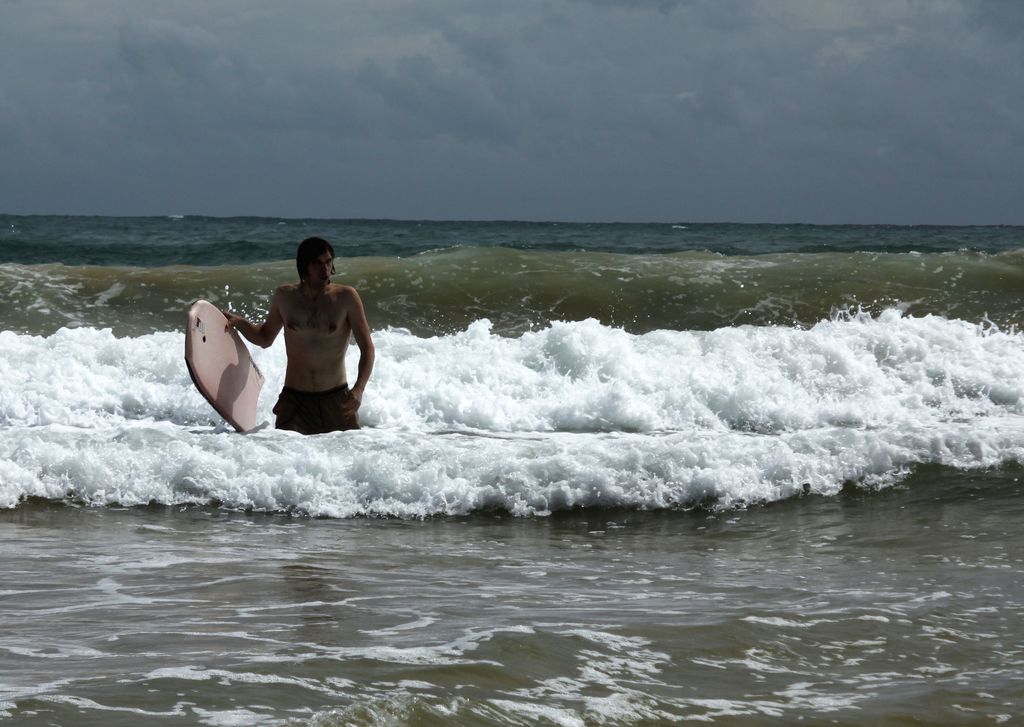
(573, 414)
(446, 290)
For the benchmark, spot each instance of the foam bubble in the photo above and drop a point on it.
(576, 414)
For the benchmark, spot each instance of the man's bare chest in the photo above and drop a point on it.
(313, 322)
(322, 316)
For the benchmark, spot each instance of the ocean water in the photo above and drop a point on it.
(609, 474)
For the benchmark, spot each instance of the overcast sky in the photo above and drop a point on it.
(593, 110)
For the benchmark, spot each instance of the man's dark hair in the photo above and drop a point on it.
(309, 250)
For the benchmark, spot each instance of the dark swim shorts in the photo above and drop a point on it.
(317, 412)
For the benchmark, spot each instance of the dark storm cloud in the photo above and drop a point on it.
(579, 109)
(1003, 17)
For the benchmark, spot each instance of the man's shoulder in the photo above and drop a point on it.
(285, 297)
(338, 290)
(287, 289)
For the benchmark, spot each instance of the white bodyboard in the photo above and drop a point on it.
(220, 366)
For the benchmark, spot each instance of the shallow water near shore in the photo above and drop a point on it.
(891, 607)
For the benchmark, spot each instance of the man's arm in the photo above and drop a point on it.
(262, 335)
(361, 333)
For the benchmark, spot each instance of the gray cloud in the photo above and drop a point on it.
(822, 111)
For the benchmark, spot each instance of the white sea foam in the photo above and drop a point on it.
(576, 414)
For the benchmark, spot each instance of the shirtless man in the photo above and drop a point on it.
(318, 318)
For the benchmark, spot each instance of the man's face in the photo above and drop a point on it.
(319, 270)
